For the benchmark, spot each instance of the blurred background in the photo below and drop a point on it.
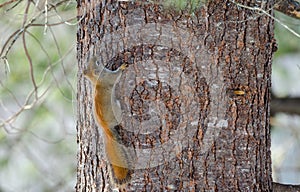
(37, 95)
(285, 106)
(38, 69)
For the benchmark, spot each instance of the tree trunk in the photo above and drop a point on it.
(194, 99)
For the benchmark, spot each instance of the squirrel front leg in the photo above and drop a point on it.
(108, 115)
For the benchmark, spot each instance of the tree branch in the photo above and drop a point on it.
(277, 187)
(289, 7)
(286, 105)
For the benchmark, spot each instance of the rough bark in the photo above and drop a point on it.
(194, 99)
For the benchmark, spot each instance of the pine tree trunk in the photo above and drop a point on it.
(194, 98)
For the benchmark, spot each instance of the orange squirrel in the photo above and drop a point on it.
(108, 115)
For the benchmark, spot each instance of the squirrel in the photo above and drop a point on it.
(107, 113)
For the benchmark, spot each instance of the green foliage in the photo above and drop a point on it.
(180, 5)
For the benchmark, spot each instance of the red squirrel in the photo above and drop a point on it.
(107, 114)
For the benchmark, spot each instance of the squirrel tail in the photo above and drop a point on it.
(119, 162)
